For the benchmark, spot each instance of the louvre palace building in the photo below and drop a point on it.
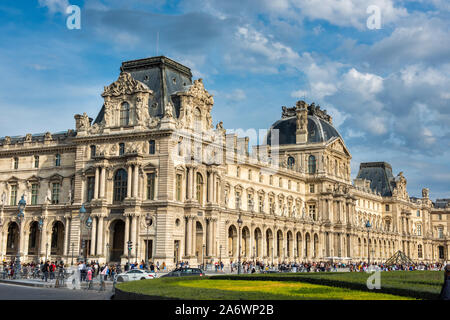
(151, 177)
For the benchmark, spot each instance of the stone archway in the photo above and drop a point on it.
(57, 239)
(289, 243)
(117, 234)
(246, 251)
(280, 253)
(199, 242)
(232, 241)
(269, 243)
(34, 238)
(258, 238)
(12, 244)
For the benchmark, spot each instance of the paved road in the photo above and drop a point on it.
(16, 292)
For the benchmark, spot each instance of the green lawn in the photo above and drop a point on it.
(397, 285)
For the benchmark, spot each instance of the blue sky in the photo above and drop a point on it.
(387, 89)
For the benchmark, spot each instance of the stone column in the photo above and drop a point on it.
(102, 183)
(210, 187)
(194, 237)
(135, 181)
(127, 235)
(96, 188)
(66, 236)
(133, 232)
(100, 236)
(188, 236)
(209, 241)
(43, 237)
(129, 178)
(93, 235)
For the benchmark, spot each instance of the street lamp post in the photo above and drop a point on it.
(148, 223)
(203, 256)
(72, 245)
(130, 247)
(220, 254)
(239, 222)
(20, 216)
(82, 213)
(40, 225)
(368, 226)
(46, 251)
(137, 260)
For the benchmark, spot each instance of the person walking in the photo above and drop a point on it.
(445, 292)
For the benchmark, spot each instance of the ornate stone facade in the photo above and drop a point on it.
(151, 169)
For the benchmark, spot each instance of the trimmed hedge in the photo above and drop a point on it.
(315, 279)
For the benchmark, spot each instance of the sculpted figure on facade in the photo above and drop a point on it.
(142, 116)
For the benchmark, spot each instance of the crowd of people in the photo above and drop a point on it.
(326, 266)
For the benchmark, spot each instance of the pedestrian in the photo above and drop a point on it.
(445, 292)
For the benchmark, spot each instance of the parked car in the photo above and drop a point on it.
(185, 272)
(135, 274)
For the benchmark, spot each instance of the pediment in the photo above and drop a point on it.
(56, 177)
(125, 85)
(34, 178)
(338, 145)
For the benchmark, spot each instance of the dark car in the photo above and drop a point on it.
(185, 272)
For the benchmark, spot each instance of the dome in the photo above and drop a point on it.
(319, 130)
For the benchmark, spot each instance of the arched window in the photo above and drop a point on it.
(120, 185)
(199, 188)
(290, 163)
(312, 164)
(124, 114)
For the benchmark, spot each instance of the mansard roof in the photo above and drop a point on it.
(380, 176)
(164, 77)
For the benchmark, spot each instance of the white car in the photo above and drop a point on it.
(135, 274)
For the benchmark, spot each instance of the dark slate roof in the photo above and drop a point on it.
(163, 76)
(319, 130)
(441, 203)
(39, 137)
(380, 176)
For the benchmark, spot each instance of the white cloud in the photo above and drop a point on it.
(55, 6)
(349, 12)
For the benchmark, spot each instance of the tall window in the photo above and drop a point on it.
(311, 188)
(419, 230)
(238, 172)
(152, 147)
(387, 207)
(93, 151)
(238, 200)
(312, 164)
(16, 163)
(249, 174)
(124, 114)
(272, 205)
(261, 203)
(250, 202)
(13, 201)
(418, 213)
(36, 161)
(151, 178)
(290, 163)
(55, 193)
(90, 188)
(120, 185)
(121, 149)
(199, 188)
(178, 187)
(58, 160)
(419, 251)
(440, 232)
(34, 193)
(312, 211)
(271, 180)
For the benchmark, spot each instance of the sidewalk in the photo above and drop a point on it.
(51, 283)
